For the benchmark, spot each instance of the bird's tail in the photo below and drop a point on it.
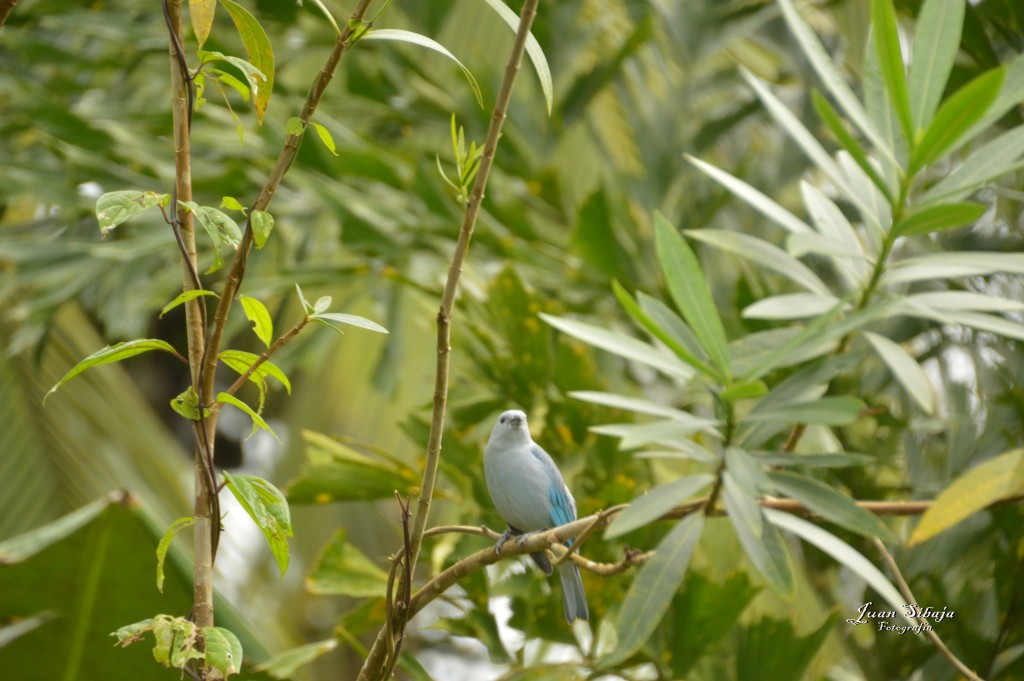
(573, 598)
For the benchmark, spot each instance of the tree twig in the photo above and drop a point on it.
(929, 631)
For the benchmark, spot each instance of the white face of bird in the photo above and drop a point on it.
(510, 428)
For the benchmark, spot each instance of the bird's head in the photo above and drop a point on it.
(510, 428)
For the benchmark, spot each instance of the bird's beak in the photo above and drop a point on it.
(515, 421)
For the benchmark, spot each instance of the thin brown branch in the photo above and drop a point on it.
(284, 161)
(377, 661)
(5, 9)
(928, 630)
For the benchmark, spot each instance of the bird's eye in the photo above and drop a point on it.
(501, 420)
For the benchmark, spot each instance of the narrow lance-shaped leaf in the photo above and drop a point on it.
(655, 585)
(257, 420)
(890, 57)
(831, 505)
(839, 410)
(956, 116)
(906, 370)
(533, 51)
(184, 297)
(690, 291)
(201, 12)
(261, 55)
(655, 503)
(830, 118)
(936, 42)
(423, 41)
(766, 551)
(165, 544)
(115, 353)
(998, 478)
(350, 319)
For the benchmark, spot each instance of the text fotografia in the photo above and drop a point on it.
(912, 611)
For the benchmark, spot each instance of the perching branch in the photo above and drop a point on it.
(384, 653)
(928, 630)
(6, 6)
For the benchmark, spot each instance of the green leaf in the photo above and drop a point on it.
(999, 478)
(747, 472)
(828, 411)
(651, 326)
(956, 116)
(325, 137)
(21, 626)
(262, 223)
(329, 16)
(261, 55)
(268, 509)
(661, 432)
(953, 265)
(671, 323)
(322, 304)
(830, 118)
(256, 312)
(936, 43)
(165, 544)
(114, 353)
(634, 404)
(741, 508)
(222, 230)
(294, 126)
(744, 390)
(223, 649)
(754, 197)
(285, 664)
(690, 291)
(890, 58)
(965, 300)
(994, 159)
(240, 361)
(423, 41)
(655, 503)
(533, 51)
(113, 208)
(844, 554)
(789, 306)
(768, 256)
(976, 320)
(336, 472)
(767, 553)
(652, 590)
(184, 297)
(201, 12)
(905, 369)
(343, 570)
(834, 82)
(231, 203)
(257, 420)
(831, 505)
(350, 319)
(621, 345)
(186, 403)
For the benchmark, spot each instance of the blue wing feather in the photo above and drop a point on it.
(563, 506)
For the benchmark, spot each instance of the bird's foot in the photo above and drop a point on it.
(509, 533)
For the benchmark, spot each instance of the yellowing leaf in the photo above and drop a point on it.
(202, 12)
(257, 46)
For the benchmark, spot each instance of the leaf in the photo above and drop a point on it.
(222, 230)
(223, 649)
(890, 58)
(343, 570)
(953, 265)
(844, 554)
(976, 320)
(165, 544)
(834, 82)
(633, 404)
(831, 505)
(350, 319)
(113, 208)
(325, 137)
(651, 593)
(621, 345)
(994, 159)
(741, 507)
(21, 626)
(769, 256)
(201, 12)
(231, 203)
(690, 292)
(768, 554)
(965, 300)
(256, 312)
(830, 118)
(754, 197)
(262, 223)
(186, 403)
(746, 472)
(240, 361)
(661, 432)
(184, 297)
(789, 306)
(253, 75)
(672, 341)
(114, 353)
(336, 472)
(956, 116)
(257, 420)
(533, 50)
(938, 218)
(905, 369)
(294, 126)
(285, 664)
(411, 38)
(261, 54)
(655, 503)
(828, 411)
(322, 304)
(999, 478)
(936, 43)
(329, 16)
(268, 509)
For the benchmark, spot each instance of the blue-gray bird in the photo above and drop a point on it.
(530, 494)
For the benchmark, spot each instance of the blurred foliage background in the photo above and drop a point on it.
(84, 109)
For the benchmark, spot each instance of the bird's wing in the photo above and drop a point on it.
(563, 506)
